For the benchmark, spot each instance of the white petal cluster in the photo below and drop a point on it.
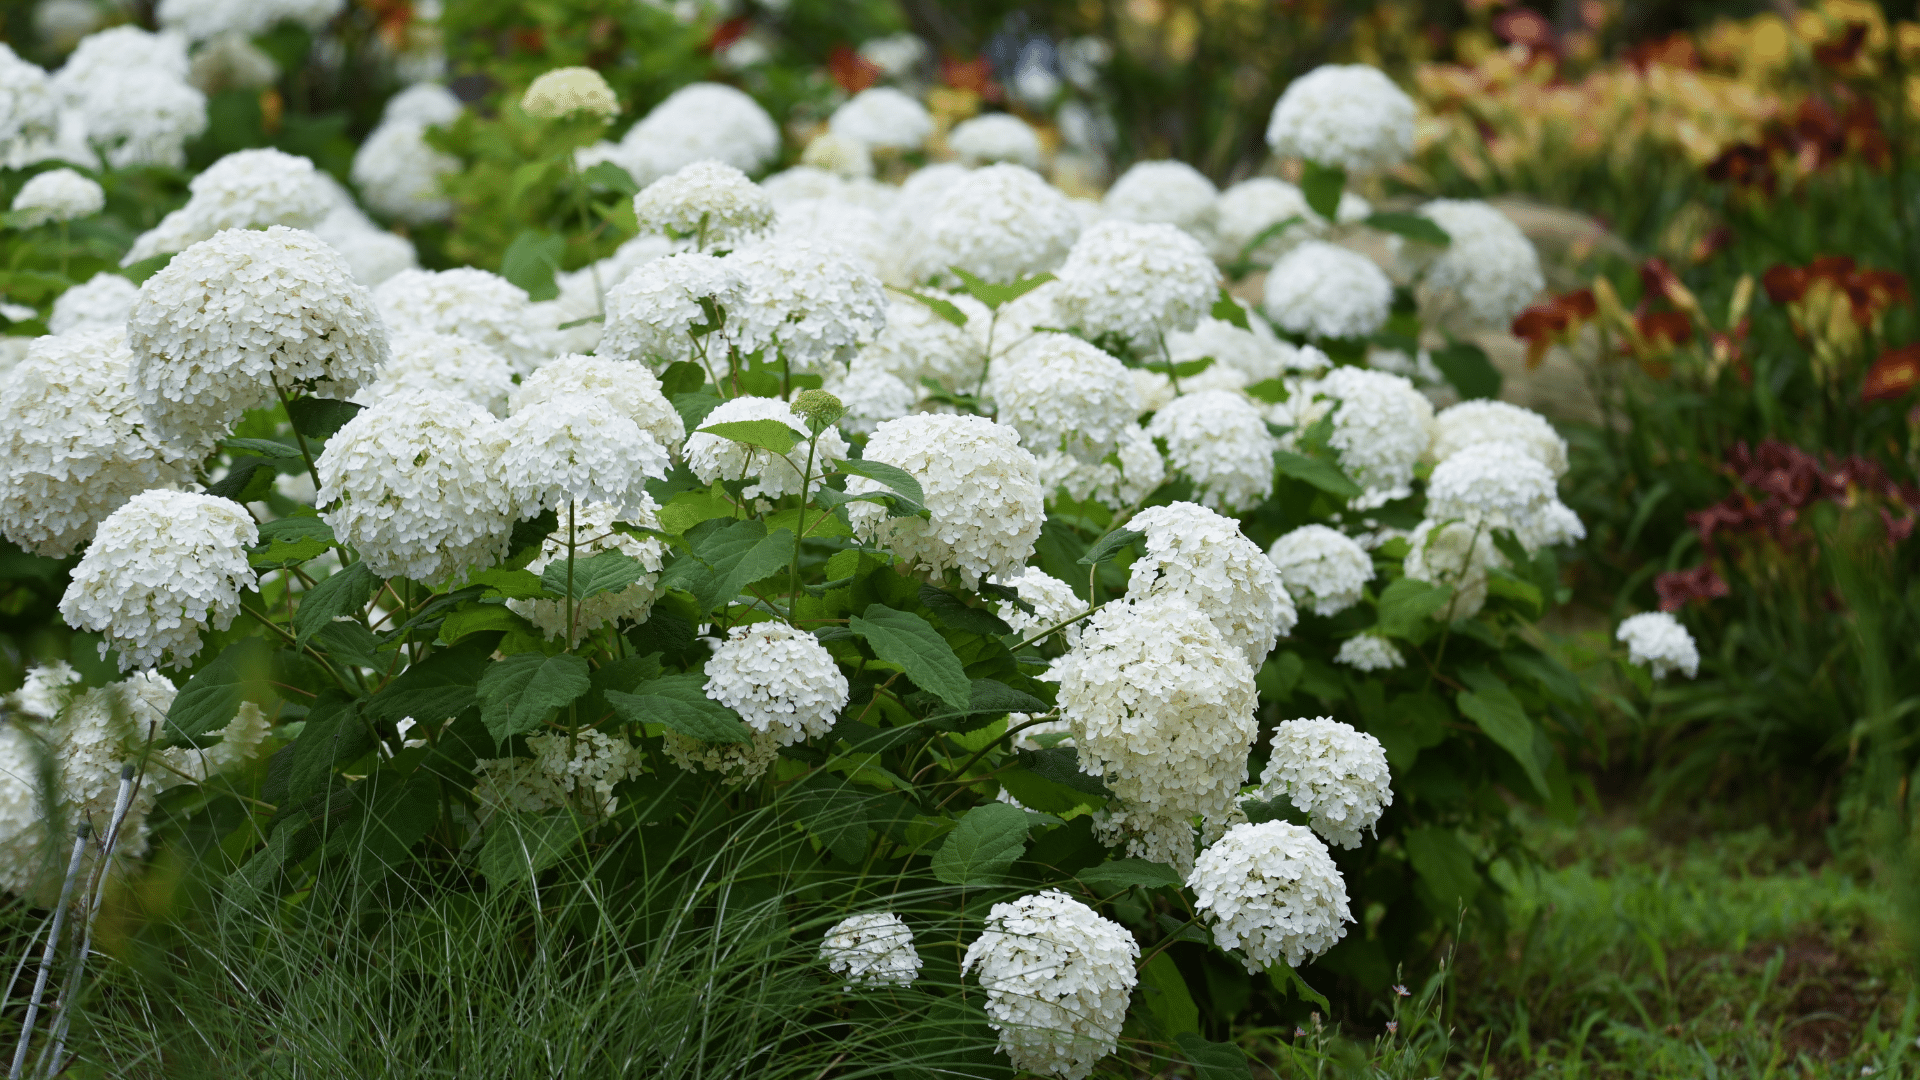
(1488, 273)
(712, 457)
(1201, 556)
(594, 533)
(423, 103)
(1254, 354)
(1369, 652)
(372, 253)
(1217, 439)
(1471, 423)
(469, 303)
(203, 19)
(1349, 115)
(1501, 485)
(587, 764)
(1053, 603)
(650, 314)
(161, 569)
(1334, 774)
(73, 443)
(872, 949)
(919, 343)
(737, 763)
(1000, 223)
(1058, 978)
(697, 122)
(577, 448)
(399, 173)
(995, 137)
(582, 300)
(1271, 890)
(29, 108)
(860, 231)
(883, 118)
(58, 195)
(244, 190)
(1062, 394)
(1455, 554)
(441, 363)
(1165, 192)
(1122, 479)
(127, 91)
(568, 90)
(1137, 282)
(1656, 639)
(1381, 425)
(231, 318)
(1322, 290)
(1323, 568)
(414, 484)
(806, 302)
(710, 200)
(631, 389)
(780, 680)
(982, 489)
(44, 692)
(1248, 209)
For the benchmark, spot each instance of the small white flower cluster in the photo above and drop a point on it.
(578, 771)
(1502, 485)
(872, 949)
(423, 361)
(200, 20)
(1202, 557)
(469, 303)
(1053, 600)
(1322, 568)
(244, 190)
(1220, 441)
(1064, 396)
(1058, 978)
(1369, 653)
(709, 200)
(1321, 290)
(1471, 423)
(1656, 639)
(882, 118)
(1336, 775)
(1345, 115)
(920, 343)
(652, 313)
(396, 170)
(1167, 192)
(124, 92)
(1489, 271)
(569, 90)
(780, 680)
(1381, 426)
(714, 457)
(995, 137)
(697, 122)
(103, 300)
(999, 223)
(804, 302)
(1272, 891)
(58, 195)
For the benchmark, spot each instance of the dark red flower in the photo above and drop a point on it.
(1676, 588)
(851, 71)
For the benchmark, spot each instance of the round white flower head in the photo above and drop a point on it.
(203, 19)
(29, 109)
(919, 343)
(1455, 554)
(1369, 652)
(1501, 485)
(568, 90)
(121, 47)
(593, 533)
(1053, 603)
(577, 448)
(398, 173)
(374, 255)
(1062, 394)
(1323, 568)
(737, 763)
(1471, 423)
(1488, 274)
(1349, 115)
(704, 120)
(883, 118)
(128, 90)
(161, 569)
(1334, 774)
(1168, 192)
(712, 457)
(709, 200)
(587, 764)
(632, 390)
(59, 195)
(872, 949)
(982, 489)
(1381, 425)
(1000, 224)
(244, 190)
(860, 231)
(1137, 282)
(75, 445)
(1058, 978)
(804, 301)
(781, 681)
(651, 315)
(1220, 441)
(871, 396)
(1326, 291)
(423, 103)
(414, 485)
(442, 363)
(803, 182)
(993, 137)
(839, 155)
(1194, 553)
(1255, 353)
(468, 303)
(232, 318)
(1657, 639)
(1122, 479)
(1252, 210)
(1271, 890)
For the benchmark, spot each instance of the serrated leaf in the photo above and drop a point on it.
(1126, 873)
(954, 612)
(518, 693)
(725, 558)
(265, 448)
(344, 593)
(1271, 391)
(909, 641)
(1321, 474)
(771, 435)
(899, 480)
(1039, 793)
(983, 846)
(512, 584)
(1228, 310)
(1406, 606)
(995, 295)
(986, 699)
(438, 687)
(817, 524)
(480, 618)
(248, 481)
(348, 642)
(520, 846)
(1061, 764)
(944, 308)
(681, 703)
(1412, 226)
(609, 571)
(690, 508)
(1168, 1003)
(1212, 1060)
(319, 418)
(1491, 706)
(531, 260)
(694, 407)
(1110, 545)
(211, 698)
(1286, 979)
(1323, 185)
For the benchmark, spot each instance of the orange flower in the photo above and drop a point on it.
(1894, 375)
(1557, 320)
(851, 71)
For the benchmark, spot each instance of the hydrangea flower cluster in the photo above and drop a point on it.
(1135, 282)
(780, 680)
(1058, 978)
(1219, 440)
(1322, 567)
(1656, 639)
(591, 526)
(244, 190)
(1271, 890)
(709, 200)
(1345, 115)
(872, 949)
(1194, 553)
(1329, 771)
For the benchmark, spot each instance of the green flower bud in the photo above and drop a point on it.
(818, 408)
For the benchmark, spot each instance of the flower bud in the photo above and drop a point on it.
(818, 408)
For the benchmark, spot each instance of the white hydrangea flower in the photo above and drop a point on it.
(919, 343)
(710, 200)
(1418, 368)
(415, 486)
(1192, 552)
(469, 303)
(203, 19)
(631, 389)
(802, 183)
(127, 89)
(1471, 423)
(995, 137)
(883, 118)
(1220, 442)
(1254, 353)
(374, 255)
(594, 533)
(1326, 291)
(1000, 223)
(651, 314)
(568, 90)
(805, 301)
(780, 680)
(712, 457)
(1349, 115)
(58, 195)
(737, 763)
(1058, 979)
(161, 569)
(232, 318)
(1138, 282)
(244, 190)
(1322, 568)
(577, 448)
(120, 47)
(587, 764)
(697, 122)
(75, 444)
(872, 396)
(399, 174)
(859, 231)
(1455, 554)
(982, 489)
(1334, 774)
(1488, 274)
(45, 691)
(514, 785)
(872, 949)
(1656, 639)
(423, 103)
(442, 363)
(1053, 603)
(29, 107)
(1369, 652)
(1501, 485)
(1165, 192)
(1062, 394)
(1272, 891)
(1248, 209)
(1124, 478)
(1382, 425)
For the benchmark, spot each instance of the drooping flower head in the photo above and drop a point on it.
(1058, 978)
(1334, 774)
(780, 680)
(1271, 891)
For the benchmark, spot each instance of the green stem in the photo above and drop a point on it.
(570, 549)
(1165, 942)
(806, 477)
(305, 453)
